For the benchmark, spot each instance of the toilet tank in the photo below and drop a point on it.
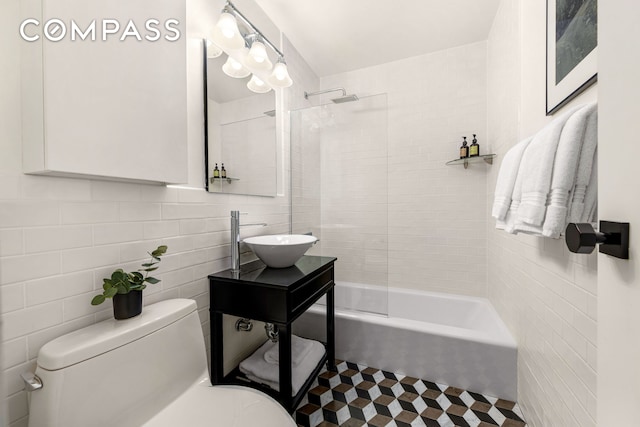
(120, 372)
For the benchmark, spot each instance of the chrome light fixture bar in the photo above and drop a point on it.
(254, 59)
(230, 8)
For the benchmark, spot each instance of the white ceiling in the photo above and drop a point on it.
(335, 36)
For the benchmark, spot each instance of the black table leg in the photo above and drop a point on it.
(217, 356)
(284, 343)
(331, 330)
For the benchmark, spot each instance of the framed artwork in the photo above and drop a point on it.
(572, 48)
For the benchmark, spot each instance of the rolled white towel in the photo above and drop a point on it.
(508, 224)
(590, 211)
(300, 348)
(537, 167)
(259, 370)
(507, 179)
(574, 133)
(584, 173)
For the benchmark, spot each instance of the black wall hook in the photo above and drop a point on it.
(613, 238)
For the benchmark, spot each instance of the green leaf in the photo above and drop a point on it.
(97, 300)
(150, 269)
(152, 280)
(161, 250)
(117, 272)
(149, 264)
(118, 276)
(109, 293)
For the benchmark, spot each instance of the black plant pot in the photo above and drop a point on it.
(128, 305)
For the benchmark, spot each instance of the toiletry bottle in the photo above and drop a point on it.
(464, 150)
(216, 172)
(223, 172)
(474, 148)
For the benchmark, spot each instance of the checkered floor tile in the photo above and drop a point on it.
(356, 395)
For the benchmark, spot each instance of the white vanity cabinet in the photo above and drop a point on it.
(114, 108)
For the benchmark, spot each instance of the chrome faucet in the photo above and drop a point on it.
(235, 239)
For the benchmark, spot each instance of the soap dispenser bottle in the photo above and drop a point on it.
(464, 149)
(216, 172)
(223, 172)
(474, 148)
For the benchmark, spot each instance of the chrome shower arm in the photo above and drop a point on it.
(321, 92)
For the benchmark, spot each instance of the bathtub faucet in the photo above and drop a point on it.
(235, 238)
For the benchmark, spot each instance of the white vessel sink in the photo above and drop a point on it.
(280, 250)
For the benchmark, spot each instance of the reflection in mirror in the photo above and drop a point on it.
(241, 135)
(248, 152)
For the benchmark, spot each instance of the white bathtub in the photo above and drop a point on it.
(456, 340)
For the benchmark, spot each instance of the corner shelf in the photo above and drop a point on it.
(229, 180)
(487, 158)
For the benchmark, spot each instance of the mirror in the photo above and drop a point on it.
(241, 135)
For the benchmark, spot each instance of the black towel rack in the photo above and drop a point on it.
(613, 238)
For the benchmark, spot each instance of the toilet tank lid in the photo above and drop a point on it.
(107, 335)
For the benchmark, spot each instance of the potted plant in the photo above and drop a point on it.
(126, 288)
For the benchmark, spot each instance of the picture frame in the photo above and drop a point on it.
(571, 50)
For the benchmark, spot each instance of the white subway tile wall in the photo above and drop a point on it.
(343, 154)
(436, 213)
(546, 295)
(354, 189)
(305, 164)
(48, 275)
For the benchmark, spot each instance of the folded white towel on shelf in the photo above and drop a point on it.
(584, 174)
(300, 348)
(257, 369)
(537, 168)
(507, 179)
(565, 167)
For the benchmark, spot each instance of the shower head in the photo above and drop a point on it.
(339, 100)
(346, 98)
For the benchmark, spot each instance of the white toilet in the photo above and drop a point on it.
(150, 370)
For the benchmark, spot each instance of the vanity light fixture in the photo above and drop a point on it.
(233, 68)
(226, 33)
(232, 38)
(258, 86)
(280, 75)
(257, 56)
